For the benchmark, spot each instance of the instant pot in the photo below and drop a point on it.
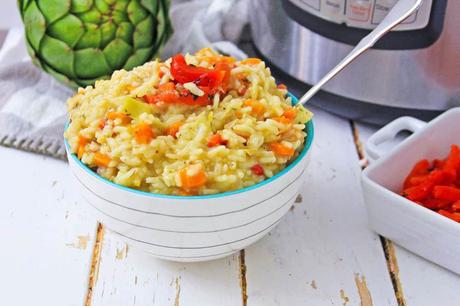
(413, 70)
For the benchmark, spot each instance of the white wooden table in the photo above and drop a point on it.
(54, 253)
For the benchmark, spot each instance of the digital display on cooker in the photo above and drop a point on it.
(364, 14)
(348, 21)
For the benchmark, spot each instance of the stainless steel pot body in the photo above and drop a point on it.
(426, 79)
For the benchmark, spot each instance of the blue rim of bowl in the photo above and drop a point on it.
(308, 142)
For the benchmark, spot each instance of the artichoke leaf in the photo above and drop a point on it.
(125, 31)
(119, 17)
(108, 31)
(59, 76)
(35, 25)
(91, 38)
(102, 6)
(143, 35)
(68, 29)
(54, 9)
(151, 6)
(139, 57)
(57, 55)
(117, 53)
(22, 5)
(136, 12)
(93, 16)
(33, 54)
(80, 6)
(91, 63)
(120, 5)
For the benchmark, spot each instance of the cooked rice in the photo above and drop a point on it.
(155, 166)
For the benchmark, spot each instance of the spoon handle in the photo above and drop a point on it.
(400, 11)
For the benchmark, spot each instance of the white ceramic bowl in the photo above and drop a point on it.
(412, 226)
(193, 228)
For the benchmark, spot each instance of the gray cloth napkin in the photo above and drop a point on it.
(32, 104)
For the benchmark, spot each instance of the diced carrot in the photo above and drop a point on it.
(420, 168)
(167, 86)
(281, 150)
(446, 193)
(257, 107)
(166, 93)
(125, 119)
(282, 119)
(290, 113)
(101, 160)
(250, 61)
(282, 86)
(192, 177)
(161, 73)
(80, 152)
(184, 192)
(227, 59)
(143, 133)
(257, 169)
(240, 76)
(101, 124)
(453, 216)
(174, 128)
(82, 142)
(216, 140)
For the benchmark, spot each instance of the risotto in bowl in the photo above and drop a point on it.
(189, 159)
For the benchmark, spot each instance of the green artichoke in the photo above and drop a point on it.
(81, 41)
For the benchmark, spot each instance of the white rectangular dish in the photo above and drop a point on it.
(408, 224)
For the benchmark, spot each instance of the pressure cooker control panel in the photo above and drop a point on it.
(364, 14)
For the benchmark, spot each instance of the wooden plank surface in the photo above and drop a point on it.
(128, 276)
(322, 253)
(420, 282)
(47, 235)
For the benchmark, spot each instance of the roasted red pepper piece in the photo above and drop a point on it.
(436, 204)
(420, 168)
(453, 216)
(437, 188)
(452, 163)
(208, 80)
(456, 206)
(257, 169)
(446, 193)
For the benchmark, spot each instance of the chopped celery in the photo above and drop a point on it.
(135, 108)
(303, 114)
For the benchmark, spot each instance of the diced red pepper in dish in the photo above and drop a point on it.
(436, 186)
(257, 170)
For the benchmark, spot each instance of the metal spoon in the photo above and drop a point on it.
(400, 11)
